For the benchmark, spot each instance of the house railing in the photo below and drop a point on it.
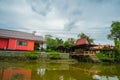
(84, 53)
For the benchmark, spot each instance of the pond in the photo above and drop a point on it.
(58, 71)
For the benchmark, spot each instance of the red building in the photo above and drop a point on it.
(16, 40)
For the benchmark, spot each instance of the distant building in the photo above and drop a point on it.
(101, 47)
(17, 40)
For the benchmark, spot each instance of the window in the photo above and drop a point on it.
(22, 43)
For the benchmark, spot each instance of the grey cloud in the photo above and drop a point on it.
(69, 26)
(41, 7)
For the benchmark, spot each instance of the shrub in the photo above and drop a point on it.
(48, 50)
(32, 55)
(105, 57)
(54, 55)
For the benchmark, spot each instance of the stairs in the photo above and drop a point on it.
(94, 58)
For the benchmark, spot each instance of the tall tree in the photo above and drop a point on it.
(115, 32)
(82, 35)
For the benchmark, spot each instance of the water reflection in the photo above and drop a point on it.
(58, 71)
(15, 74)
(41, 71)
(98, 77)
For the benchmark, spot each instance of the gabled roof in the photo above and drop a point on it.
(20, 35)
(82, 41)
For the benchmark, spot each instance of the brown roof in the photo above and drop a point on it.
(20, 35)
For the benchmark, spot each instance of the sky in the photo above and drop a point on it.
(61, 18)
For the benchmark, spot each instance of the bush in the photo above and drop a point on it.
(48, 50)
(100, 55)
(32, 55)
(105, 57)
(54, 55)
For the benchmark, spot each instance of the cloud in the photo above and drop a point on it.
(42, 7)
(61, 18)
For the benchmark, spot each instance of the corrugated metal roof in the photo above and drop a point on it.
(20, 35)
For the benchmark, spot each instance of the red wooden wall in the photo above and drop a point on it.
(3, 43)
(11, 44)
(29, 46)
(14, 46)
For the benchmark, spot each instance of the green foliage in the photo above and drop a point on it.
(53, 55)
(31, 55)
(66, 44)
(48, 50)
(115, 34)
(52, 43)
(106, 56)
(115, 30)
(59, 41)
(69, 42)
(82, 35)
(100, 55)
(116, 42)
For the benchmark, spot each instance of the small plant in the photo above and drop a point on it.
(54, 55)
(32, 55)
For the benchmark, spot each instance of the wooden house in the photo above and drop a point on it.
(17, 40)
(82, 47)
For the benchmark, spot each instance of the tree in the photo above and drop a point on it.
(82, 35)
(69, 42)
(53, 43)
(50, 42)
(59, 41)
(115, 35)
(116, 42)
(115, 32)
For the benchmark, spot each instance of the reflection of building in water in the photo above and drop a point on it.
(1, 72)
(15, 74)
(41, 71)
